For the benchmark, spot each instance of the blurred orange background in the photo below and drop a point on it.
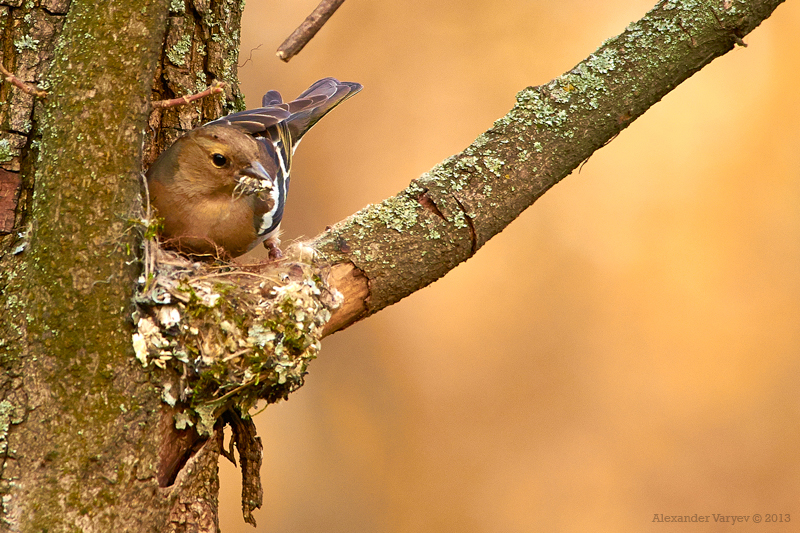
(629, 346)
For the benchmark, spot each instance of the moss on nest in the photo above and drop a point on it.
(233, 336)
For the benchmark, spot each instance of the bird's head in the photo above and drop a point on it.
(215, 159)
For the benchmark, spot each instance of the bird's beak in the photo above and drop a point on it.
(257, 171)
(253, 179)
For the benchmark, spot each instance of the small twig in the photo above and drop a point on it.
(216, 88)
(149, 252)
(736, 38)
(28, 88)
(232, 273)
(308, 29)
(250, 57)
(235, 355)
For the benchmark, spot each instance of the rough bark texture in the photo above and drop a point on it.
(201, 46)
(79, 418)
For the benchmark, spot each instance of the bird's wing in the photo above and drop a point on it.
(255, 121)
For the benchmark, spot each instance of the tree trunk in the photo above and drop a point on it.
(80, 418)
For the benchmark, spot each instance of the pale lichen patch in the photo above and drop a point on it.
(493, 165)
(178, 52)
(7, 151)
(603, 61)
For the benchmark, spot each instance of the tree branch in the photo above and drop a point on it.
(217, 87)
(387, 251)
(28, 88)
(308, 29)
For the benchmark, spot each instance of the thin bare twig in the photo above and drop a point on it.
(26, 87)
(308, 29)
(150, 244)
(216, 88)
(250, 57)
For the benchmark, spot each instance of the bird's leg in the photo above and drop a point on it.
(272, 244)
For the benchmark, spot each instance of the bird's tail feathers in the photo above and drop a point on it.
(316, 102)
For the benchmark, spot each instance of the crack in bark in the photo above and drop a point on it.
(177, 448)
(473, 236)
(426, 202)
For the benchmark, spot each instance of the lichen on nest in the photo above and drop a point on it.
(233, 336)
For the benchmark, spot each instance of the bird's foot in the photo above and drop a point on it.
(272, 246)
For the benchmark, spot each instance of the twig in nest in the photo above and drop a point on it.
(308, 29)
(216, 88)
(150, 245)
(26, 87)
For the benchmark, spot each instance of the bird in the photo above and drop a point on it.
(220, 189)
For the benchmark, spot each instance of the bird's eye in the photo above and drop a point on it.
(219, 160)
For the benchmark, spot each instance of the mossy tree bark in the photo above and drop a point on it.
(82, 425)
(79, 418)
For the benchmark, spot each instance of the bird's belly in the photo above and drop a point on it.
(217, 226)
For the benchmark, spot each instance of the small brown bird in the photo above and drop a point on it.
(221, 188)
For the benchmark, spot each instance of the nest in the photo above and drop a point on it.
(232, 335)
